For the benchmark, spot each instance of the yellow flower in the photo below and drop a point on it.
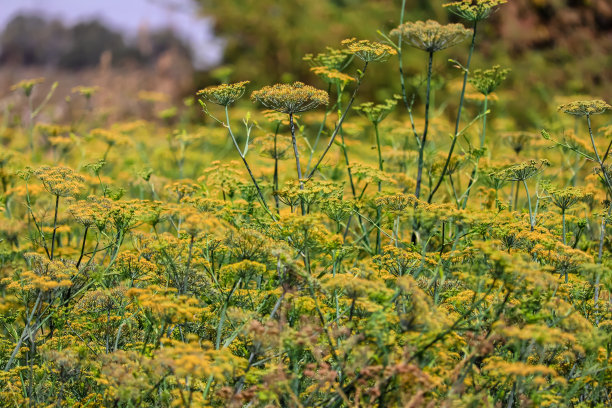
(224, 94)
(474, 10)
(368, 51)
(585, 108)
(431, 36)
(293, 98)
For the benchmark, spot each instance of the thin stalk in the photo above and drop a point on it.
(296, 153)
(54, 225)
(380, 167)
(516, 193)
(82, 247)
(531, 219)
(321, 128)
(482, 143)
(461, 99)
(275, 179)
(417, 191)
(563, 222)
(339, 125)
(246, 164)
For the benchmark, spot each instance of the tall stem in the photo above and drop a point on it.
(275, 180)
(82, 247)
(417, 191)
(531, 220)
(261, 197)
(482, 143)
(296, 153)
(563, 222)
(461, 99)
(339, 125)
(380, 167)
(54, 225)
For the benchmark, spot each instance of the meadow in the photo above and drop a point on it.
(301, 245)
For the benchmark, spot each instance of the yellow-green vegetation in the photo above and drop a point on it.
(311, 247)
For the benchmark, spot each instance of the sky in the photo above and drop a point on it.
(128, 16)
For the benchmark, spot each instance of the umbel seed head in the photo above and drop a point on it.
(224, 94)
(584, 108)
(430, 35)
(290, 98)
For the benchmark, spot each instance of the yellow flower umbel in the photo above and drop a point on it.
(474, 10)
(60, 181)
(585, 108)
(27, 85)
(290, 99)
(486, 81)
(368, 51)
(224, 94)
(431, 36)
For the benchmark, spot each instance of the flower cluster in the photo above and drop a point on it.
(61, 181)
(293, 98)
(224, 94)
(368, 51)
(585, 108)
(474, 10)
(486, 81)
(430, 35)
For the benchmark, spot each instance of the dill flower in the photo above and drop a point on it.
(474, 10)
(293, 98)
(522, 171)
(377, 113)
(332, 76)
(224, 94)
(368, 51)
(432, 36)
(567, 197)
(585, 108)
(60, 181)
(86, 91)
(486, 81)
(333, 59)
(27, 85)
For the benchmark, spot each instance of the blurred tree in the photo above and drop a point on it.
(266, 39)
(33, 40)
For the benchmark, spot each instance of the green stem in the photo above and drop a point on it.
(54, 225)
(417, 191)
(339, 125)
(482, 143)
(461, 99)
(531, 220)
(246, 164)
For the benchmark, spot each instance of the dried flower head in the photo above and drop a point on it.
(60, 181)
(431, 36)
(224, 94)
(368, 51)
(293, 98)
(27, 85)
(585, 108)
(486, 81)
(474, 10)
